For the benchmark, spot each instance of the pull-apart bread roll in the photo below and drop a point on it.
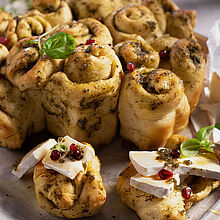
(5, 18)
(159, 185)
(188, 63)
(3, 55)
(137, 53)
(86, 29)
(134, 22)
(54, 11)
(15, 115)
(82, 101)
(22, 26)
(93, 8)
(152, 105)
(66, 177)
(27, 69)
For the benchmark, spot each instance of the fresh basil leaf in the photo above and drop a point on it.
(204, 133)
(60, 147)
(31, 42)
(217, 126)
(208, 148)
(59, 46)
(190, 148)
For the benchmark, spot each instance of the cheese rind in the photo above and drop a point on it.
(33, 157)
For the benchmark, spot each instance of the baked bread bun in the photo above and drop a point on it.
(86, 29)
(138, 53)
(3, 55)
(54, 11)
(22, 26)
(84, 104)
(5, 17)
(152, 105)
(174, 206)
(133, 22)
(27, 69)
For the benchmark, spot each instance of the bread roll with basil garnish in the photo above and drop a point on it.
(5, 18)
(86, 29)
(15, 115)
(27, 69)
(54, 11)
(84, 104)
(151, 103)
(134, 22)
(137, 52)
(93, 8)
(188, 63)
(31, 24)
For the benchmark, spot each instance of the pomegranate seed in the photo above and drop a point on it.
(165, 174)
(130, 67)
(90, 41)
(100, 20)
(164, 55)
(186, 192)
(55, 155)
(74, 151)
(4, 40)
(175, 153)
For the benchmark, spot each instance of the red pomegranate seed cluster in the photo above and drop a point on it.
(165, 174)
(55, 155)
(175, 153)
(90, 41)
(100, 20)
(186, 192)
(74, 151)
(164, 55)
(130, 67)
(4, 40)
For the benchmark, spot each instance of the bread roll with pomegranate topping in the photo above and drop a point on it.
(26, 69)
(15, 115)
(181, 23)
(188, 63)
(151, 103)
(93, 8)
(85, 29)
(82, 101)
(22, 26)
(54, 11)
(134, 22)
(5, 18)
(137, 52)
(58, 195)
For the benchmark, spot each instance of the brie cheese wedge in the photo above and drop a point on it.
(33, 157)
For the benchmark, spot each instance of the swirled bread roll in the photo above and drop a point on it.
(181, 23)
(88, 28)
(15, 115)
(54, 11)
(188, 63)
(174, 206)
(61, 196)
(84, 104)
(5, 18)
(151, 103)
(160, 9)
(93, 8)
(134, 22)
(26, 69)
(22, 26)
(137, 52)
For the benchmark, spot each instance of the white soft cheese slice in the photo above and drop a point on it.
(33, 157)
(146, 164)
(70, 168)
(153, 185)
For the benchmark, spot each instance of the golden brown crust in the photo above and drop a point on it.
(26, 69)
(61, 196)
(148, 105)
(5, 18)
(88, 28)
(134, 22)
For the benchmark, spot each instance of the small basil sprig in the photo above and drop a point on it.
(191, 147)
(60, 147)
(58, 46)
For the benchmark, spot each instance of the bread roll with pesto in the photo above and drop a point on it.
(133, 22)
(151, 103)
(82, 102)
(87, 29)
